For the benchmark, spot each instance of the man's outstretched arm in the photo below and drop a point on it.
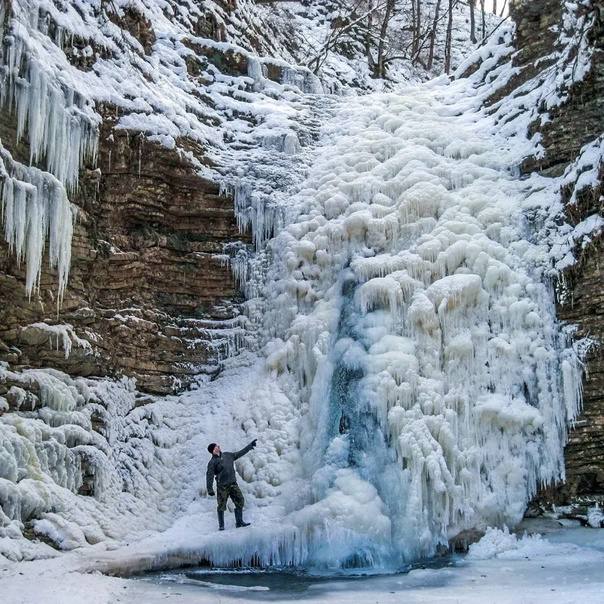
(210, 478)
(245, 450)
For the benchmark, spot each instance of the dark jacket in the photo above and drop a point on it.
(223, 467)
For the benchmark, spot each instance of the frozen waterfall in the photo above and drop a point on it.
(418, 381)
(410, 307)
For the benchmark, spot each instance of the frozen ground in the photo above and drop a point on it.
(563, 566)
(405, 261)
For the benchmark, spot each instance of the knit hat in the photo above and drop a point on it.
(211, 448)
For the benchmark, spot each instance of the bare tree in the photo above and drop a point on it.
(368, 40)
(449, 38)
(386, 31)
(433, 34)
(380, 70)
(340, 32)
(418, 26)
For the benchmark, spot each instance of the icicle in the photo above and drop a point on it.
(62, 133)
(35, 208)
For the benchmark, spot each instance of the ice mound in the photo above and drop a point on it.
(503, 545)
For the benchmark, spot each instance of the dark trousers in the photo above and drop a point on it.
(229, 490)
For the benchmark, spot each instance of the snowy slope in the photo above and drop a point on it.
(51, 444)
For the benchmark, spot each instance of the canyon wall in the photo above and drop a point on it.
(149, 290)
(577, 121)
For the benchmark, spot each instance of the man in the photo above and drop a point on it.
(222, 466)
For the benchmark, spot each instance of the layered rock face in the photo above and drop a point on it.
(580, 293)
(149, 289)
(150, 295)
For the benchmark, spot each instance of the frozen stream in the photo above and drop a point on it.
(564, 566)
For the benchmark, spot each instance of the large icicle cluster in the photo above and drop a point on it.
(61, 132)
(35, 209)
(434, 382)
(60, 128)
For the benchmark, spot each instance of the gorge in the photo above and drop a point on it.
(395, 286)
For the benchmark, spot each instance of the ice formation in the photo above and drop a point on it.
(61, 133)
(434, 384)
(35, 208)
(58, 121)
(60, 336)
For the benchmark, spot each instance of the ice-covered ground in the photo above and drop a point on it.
(561, 567)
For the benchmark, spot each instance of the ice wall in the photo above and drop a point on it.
(411, 304)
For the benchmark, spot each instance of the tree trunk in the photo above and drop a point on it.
(472, 4)
(433, 35)
(413, 29)
(370, 6)
(380, 66)
(448, 39)
(418, 23)
(484, 25)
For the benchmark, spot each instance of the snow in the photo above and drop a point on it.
(325, 38)
(583, 172)
(145, 460)
(595, 517)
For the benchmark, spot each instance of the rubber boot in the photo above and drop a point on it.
(239, 518)
(220, 520)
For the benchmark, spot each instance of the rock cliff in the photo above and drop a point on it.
(149, 289)
(573, 123)
(580, 294)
